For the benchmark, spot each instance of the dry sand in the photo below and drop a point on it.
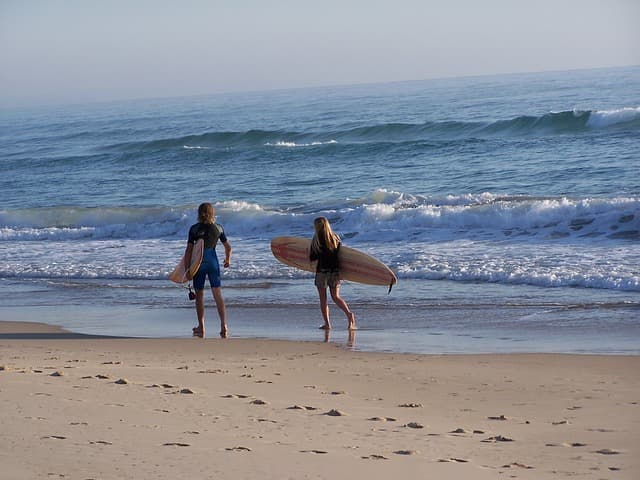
(92, 408)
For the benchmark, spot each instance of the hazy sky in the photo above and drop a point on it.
(60, 51)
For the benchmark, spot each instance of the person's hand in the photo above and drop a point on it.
(227, 262)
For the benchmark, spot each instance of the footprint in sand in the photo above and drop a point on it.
(335, 413)
(301, 407)
(517, 465)
(607, 451)
(406, 452)
(497, 438)
(382, 419)
(414, 425)
(317, 452)
(459, 430)
(266, 420)
(498, 417)
(258, 402)
(464, 431)
(453, 459)
(238, 449)
(411, 405)
(122, 381)
(176, 444)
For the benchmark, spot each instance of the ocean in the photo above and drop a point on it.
(508, 206)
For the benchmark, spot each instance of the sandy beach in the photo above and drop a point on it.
(102, 408)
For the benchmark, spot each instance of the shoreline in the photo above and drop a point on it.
(246, 408)
(379, 330)
(27, 330)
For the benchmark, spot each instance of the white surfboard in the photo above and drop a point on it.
(181, 274)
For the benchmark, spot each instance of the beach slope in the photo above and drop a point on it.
(81, 407)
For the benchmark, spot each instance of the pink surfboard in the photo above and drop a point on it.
(355, 266)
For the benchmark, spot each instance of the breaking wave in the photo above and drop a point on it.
(382, 215)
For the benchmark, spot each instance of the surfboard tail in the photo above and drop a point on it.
(394, 280)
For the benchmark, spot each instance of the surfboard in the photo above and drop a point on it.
(180, 274)
(355, 266)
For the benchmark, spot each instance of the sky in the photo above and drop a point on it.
(76, 51)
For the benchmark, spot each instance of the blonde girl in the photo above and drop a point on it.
(325, 247)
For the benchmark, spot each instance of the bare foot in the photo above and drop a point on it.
(324, 327)
(197, 332)
(223, 331)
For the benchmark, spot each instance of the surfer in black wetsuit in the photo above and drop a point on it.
(325, 247)
(210, 232)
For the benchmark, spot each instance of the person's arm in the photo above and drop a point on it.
(313, 254)
(187, 258)
(227, 253)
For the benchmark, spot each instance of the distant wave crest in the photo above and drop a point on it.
(552, 123)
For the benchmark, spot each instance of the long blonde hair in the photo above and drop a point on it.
(206, 213)
(324, 236)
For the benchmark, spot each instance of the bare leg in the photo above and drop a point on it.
(200, 313)
(335, 295)
(324, 308)
(352, 338)
(222, 311)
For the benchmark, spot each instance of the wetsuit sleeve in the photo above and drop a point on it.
(192, 233)
(223, 236)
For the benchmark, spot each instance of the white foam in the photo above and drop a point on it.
(487, 238)
(289, 144)
(383, 215)
(607, 118)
